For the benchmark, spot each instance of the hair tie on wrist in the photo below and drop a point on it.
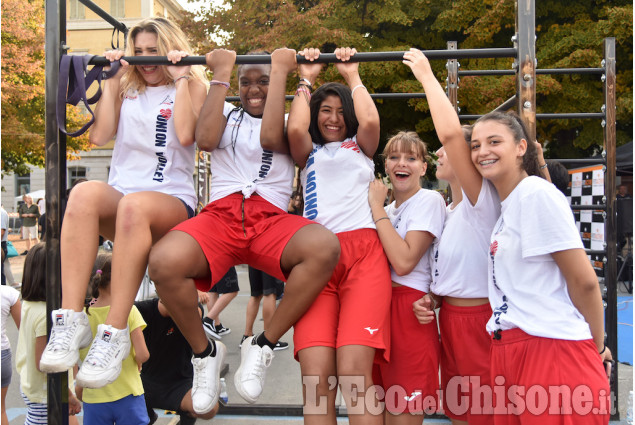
(98, 271)
(542, 167)
(381, 218)
(219, 83)
(308, 83)
(603, 349)
(187, 77)
(357, 87)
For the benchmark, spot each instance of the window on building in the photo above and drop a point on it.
(74, 174)
(22, 184)
(118, 8)
(78, 10)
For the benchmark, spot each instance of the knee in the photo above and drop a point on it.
(160, 263)
(324, 247)
(129, 213)
(83, 199)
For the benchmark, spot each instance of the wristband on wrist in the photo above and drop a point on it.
(381, 218)
(304, 81)
(603, 349)
(357, 87)
(219, 83)
(542, 167)
(187, 77)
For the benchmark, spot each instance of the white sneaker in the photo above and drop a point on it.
(70, 332)
(206, 382)
(250, 376)
(102, 364)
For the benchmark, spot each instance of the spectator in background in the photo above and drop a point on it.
(4, 221)
(296, 203)
(559, 175)
(29, 213)
(41, 204)
(622, 192)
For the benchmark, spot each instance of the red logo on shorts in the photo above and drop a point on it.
(493, 248)
(166, 113)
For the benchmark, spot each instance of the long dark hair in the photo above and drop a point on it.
(100, 278)
(344, 93)
(519, 131)
(34, 274)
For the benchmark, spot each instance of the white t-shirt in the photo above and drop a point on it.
(4, 223)
(335, 182)
(147, 155)
(526, 288)
(461, 255)
(424, 211)
(9, 297)
(239, 164)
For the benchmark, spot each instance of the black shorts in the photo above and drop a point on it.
(227, 284)
(161, 395)
(263, 284)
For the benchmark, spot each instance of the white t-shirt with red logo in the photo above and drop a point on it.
(461, 254)
(425, 212)
(147, 155)
(240, 164)
(335, 182)
(526, 288)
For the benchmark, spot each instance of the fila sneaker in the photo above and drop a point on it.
(70, 332)
(102, 364)
(206, 381)
(250, 376)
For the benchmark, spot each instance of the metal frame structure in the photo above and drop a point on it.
(524, 101)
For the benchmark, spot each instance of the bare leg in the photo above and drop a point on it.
(139, 224)
(211, 300)
(91, 210)
(309, 257)
(5, 418)
(250, 316)
(174, 263)
(268, 308)
(355, 374)
(223, 301)
(319, 385)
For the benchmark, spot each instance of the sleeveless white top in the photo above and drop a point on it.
(147, 154)
(335, 183)
(240, 164)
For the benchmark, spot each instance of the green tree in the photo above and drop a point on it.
(569, 35)
(23, 88)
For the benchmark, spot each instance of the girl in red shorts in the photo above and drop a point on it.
(333, 134)
(548, 318)
(460, 277)
(246, 222)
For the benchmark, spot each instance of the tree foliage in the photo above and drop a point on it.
(570, 34)
(23, 106)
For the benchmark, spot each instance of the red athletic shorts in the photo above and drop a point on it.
(546, 381)
(411, 379)
(465, 347)
(354, 307)
(237, 230)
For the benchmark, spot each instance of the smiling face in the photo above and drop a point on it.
(444, 168)
(405, 167)
(495, 153)
(253, 83)
(145, 44)
(330, 120)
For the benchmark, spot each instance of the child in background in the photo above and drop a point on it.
(122, 401)
(32, 340)
(10, 306)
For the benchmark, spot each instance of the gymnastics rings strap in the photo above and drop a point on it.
(72, 84)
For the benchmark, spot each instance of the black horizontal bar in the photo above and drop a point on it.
(324, 57)
(372, 95)
(563, 116)
(588, 207)
(595, 251)
(105, 16)
(582, 160)
(476, 72)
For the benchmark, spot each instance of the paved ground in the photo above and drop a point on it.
(283, 379)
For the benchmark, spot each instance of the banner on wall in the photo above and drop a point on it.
(586, 187)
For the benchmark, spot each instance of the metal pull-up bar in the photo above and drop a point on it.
(324, 57)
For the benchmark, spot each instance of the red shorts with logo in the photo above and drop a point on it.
(354, 307)
(237, 230)
(465, 348)
(546, 381)
(411, 379)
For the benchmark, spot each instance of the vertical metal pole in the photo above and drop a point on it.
(453, 78)
(610, 271)
(526, 63)
(55, 163)
(202, 179)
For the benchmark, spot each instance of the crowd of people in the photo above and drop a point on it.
(363, 280)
